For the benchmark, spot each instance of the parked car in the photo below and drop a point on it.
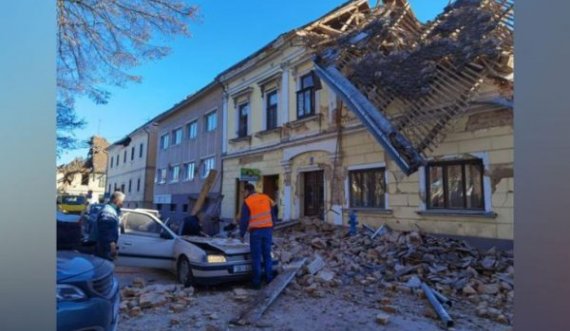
(145, 241)
(69, 231)
(87, 293)
(72, 204)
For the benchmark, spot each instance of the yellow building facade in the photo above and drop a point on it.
(316, 159)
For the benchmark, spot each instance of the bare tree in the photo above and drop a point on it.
(100, 41)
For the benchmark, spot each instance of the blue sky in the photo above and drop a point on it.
(227, 32)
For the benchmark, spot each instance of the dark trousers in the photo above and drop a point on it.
(103, 250)
(260, 242)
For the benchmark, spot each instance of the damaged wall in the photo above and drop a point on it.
(405, 198)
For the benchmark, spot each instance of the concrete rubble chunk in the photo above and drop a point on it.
(316, 265)
(152, 299)
(318, 243)
(414, 282)
(389, 309)
(177, 308)
(382, 318)
(488, 289)
(138, 282)
(129, 292)
(325, 276)
(135, 311)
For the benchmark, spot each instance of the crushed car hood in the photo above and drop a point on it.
(227, 245)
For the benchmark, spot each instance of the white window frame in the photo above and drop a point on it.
(203, 173)
(165, 140)
(193, 174)
(188, 125)
(174, 136)
(159, 176)
(487, 190)
(172, 179)
(211, 114)
(298, 75)
(367, 166)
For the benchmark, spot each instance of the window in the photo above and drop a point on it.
(125, 156)
(208, 165)
(109, 188)
(455, 185)
(189, 171)
(101, 182)
(130, 185)
(185, 208)
(160, 176)
(123, 188)
(172, 207)
(138, 185)
(115, 187)
(141, 150)
(306, 96)
(141, 225)
(271, 109)
(117, 164)
(174, 174)
(367, 188)
(164, 141)
(192, 129)
(211, 121)
(159, 206)
(177, 136)
(111, 164)
(132, 153)
(84, 179)
(243, 111)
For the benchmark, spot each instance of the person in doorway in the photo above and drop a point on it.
(257, 218)
(107, 227)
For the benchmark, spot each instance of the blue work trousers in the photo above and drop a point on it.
(260, 242)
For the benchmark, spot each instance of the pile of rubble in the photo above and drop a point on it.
(399, 261)
(139, 297)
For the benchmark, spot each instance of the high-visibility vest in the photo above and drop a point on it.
(260, 211)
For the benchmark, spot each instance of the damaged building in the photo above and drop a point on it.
(367, 109)
(80, 176)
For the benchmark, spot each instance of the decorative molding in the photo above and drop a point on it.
(241, 139)
(264, 133)
(246, 92)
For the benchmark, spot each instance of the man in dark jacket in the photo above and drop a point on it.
(108, 222)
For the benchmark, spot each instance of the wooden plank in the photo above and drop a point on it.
(204, 191)
(252, 313)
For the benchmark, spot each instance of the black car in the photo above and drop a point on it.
(87, 293)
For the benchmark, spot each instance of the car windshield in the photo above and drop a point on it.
(73, 200)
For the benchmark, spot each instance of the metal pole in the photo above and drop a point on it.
(441, 298)
(441, 312)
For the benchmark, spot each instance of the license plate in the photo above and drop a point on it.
(242, 268)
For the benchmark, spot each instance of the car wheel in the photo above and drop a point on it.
(184, 272)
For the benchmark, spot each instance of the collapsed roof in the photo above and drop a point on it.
(408, 82)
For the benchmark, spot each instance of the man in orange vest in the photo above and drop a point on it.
(257, 217)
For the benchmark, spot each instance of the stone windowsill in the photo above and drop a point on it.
(269, 132)
(458, 213)
(241, 139)
(370, 210)
(296, 123)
